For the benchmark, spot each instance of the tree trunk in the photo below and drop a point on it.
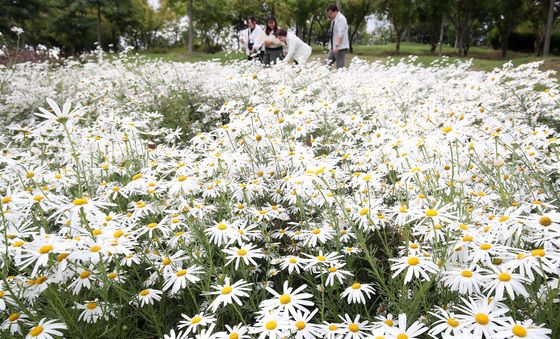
(353, 35)
(324, 31)
(441, 36)
(99, 24)
(505, 39)
(456, 45)
(310, 32)
(399, 37)
(548, 31)
(191, 28)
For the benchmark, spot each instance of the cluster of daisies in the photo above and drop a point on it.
(381, 201)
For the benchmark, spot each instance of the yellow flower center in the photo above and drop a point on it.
(402, 336)
(332, 269)
(300, 325)
(46, 249)
(485, 246)
(222, 227)
(35, 331)
(91, 306)
(467, 274)
(14, 316)
(364, 211)
(538, 253)
(482, 318)
(181, 273)
(356, 286)
(144, 293)
(85, 274)
(332, 327)
(316, 231)
(196, 320)
(545, 221)
(118, 234)
(519, 331)
(431, 213)
(452, 322)
(234, 335)
(166, 261)
(271, 325)
(95, 248)
(505, 277)
(388, 322)
(321, 258)
(285, 299)
(41, 280)
(241, 252)
(293, 260)
(413, 261)
(182, 178)
(80, 201)
(227, 290)
(353, 328)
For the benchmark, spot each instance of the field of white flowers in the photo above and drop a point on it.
(387, 200)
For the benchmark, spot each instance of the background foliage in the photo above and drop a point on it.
(77, 25)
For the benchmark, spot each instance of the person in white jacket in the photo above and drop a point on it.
(252, 39)
(298, 50)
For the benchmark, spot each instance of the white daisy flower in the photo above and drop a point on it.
(414, 331)
(193, 324)
(229, 293)
(289, 301)
(46, 329)
(148, 296)
(175, 281)
(414, 266)
(355, 293)
(272, 325)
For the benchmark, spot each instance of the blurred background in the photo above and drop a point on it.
(203, 29)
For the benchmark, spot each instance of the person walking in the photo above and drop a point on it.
(338, 32)
(273, 46)
(251, 39)
(298, 50)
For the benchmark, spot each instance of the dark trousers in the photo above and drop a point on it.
(339, 58)
(259, 56)
(272, 55)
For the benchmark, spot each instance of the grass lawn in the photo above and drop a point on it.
(484, 59)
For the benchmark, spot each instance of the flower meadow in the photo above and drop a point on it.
(386, 200)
